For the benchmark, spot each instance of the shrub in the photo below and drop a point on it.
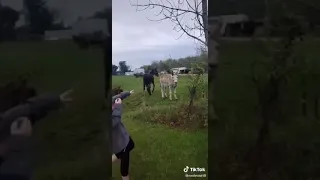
(176, 116)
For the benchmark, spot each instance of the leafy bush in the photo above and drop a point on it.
(176, 116)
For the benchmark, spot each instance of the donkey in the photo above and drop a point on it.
(148, 79)
(169, 82)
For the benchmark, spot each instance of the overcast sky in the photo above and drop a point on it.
(135, 39)
(139, 41)
(68, 10)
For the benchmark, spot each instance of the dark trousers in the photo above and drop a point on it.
(124, 156)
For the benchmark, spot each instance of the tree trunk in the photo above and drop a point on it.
(269, 111)
(205, 19)
(192, 91)
(269, 100)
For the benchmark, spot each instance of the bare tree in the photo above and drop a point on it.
(190, 17)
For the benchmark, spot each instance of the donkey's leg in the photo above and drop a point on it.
(153, 85)
(162, 93)
(175, 92)
(144, 87)
(165, 91)
(149, 89)
(170, 92)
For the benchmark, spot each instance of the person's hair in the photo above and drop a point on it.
(117, 90)
(15, 93)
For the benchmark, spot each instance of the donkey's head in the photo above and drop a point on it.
(154, 72)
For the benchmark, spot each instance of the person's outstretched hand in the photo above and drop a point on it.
(66, 96)
(118, 101)
(22, 126)
(132, 91)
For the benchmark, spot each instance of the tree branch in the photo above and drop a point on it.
(187, 33)
(152, 5)
(176, 12)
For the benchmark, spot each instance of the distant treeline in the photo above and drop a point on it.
(166, 65)
(38, 18)
(257, 9)
(189, 62)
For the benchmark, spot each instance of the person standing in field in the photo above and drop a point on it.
(122, 143)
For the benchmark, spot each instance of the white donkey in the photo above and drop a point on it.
(169, 82)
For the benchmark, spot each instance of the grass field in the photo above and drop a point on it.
(294, 141)
(72, 142)
(161, 151)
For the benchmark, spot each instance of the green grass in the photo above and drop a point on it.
(294, 141)
(70, 144)
(161, 151)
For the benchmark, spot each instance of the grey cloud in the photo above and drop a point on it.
(71, 10)
(124, 13)
(140, 41)
(138, 58)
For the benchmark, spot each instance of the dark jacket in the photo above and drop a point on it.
(18, 159)
(122, 96)
(120, 136)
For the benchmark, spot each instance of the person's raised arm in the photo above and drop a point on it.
(122, 95)
(16, 130)
(35, 109)
(39, 106)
